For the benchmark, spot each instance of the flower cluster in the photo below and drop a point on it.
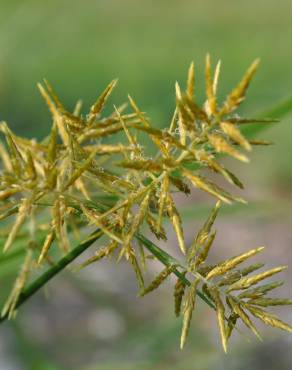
(92, 170)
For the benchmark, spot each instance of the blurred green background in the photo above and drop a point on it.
(93, 320)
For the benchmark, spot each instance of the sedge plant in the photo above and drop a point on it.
(80, 177)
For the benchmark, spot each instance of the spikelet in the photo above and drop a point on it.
(247, 270)
(246, 282)
(237, 95)
(260, 290)
(176, 222)
(229, 264)
(152, 223)
(266, 302)
(23, 212)
(16, 158)
(222, 146)
(179, 290)
(208, 160)
(58, 119)
(5, 158)
(220, 310)
(127, 131)
(99, 104)
(147, 128)
(160, 278)
(230, 130)
(58, 213)
(244, 317)
(141, 165)
(162, 201)
(101, 253)
(79, 171)
(188, 311)
(94, 218)
(54, 96)
(191, 81)
(216, 76)
(30, 166)
(136, 268)
(203, 234)
(211, 98)
(182, 123)
(231, 322)
(269, 319)
(229, 278)
(46, 246)
(138, 219)
(211, 188)
(11, 303)
(203, 254)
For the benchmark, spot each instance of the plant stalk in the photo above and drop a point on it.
(160, 254)
(55, 269)
(167, 260)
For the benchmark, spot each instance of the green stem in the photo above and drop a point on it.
(160, 254)
(167, 260)
(54, 270)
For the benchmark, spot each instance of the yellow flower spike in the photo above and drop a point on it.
(269, 319)
(267, 302)
(191, 81)
(95, 219)
(30, 166)
(79, 171)
(244, 317)
(77, 108)
(46, 246)
(5, 158)
(133, 260)
(222, 146)
(260, 290)
(99, 104)
(101, 253)
(176, 222)
(229, 264)
(16, 158)
(54, 96)
(147, 127)
(211, 98)
(220, 310)
(234, 134)
(162, 201)
(201, 257)
(246, 282)
(130, 137)
(10, 304)
(188, 311)
(179, 291)
(181, 121)
(161, 277)
(237, 95)
(138, 219)
(203, 235)
(23, 212)
(211, 188)
(57, 117)
(216, 77)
